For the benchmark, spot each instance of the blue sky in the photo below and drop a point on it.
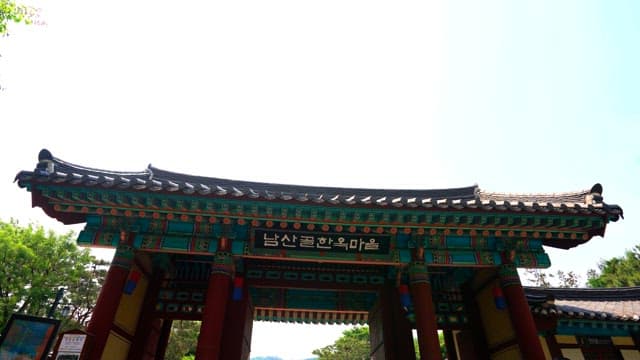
(514, 96)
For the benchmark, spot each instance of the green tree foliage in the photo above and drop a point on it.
(545, 279)
(618, 271)
(443, 346)
(81, 296)
(183, 340)
(34, 264)
(352, 345)
(12, 12)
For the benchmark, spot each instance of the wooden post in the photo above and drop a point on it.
(472, 342)
(452, 354)
(520, 314)
(236, 339)
(389, 329)
(107, 304)
(552, 344)
(210, 338)
(163, 340)
(145, 322)
(426, 322)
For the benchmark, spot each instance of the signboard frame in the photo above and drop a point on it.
(15, 340)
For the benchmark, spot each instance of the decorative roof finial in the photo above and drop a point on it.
(45, 163)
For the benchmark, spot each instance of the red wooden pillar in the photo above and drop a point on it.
(238, 323)
(163, 339)
(390, 334)
(520, 314)
(426, 322)
(107, 304)
(210, 338)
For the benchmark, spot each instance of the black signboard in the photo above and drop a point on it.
(322, 241)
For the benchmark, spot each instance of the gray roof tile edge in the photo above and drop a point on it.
(153, 179)
(584, 303)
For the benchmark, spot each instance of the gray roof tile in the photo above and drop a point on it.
(621, 304)
(51, 169)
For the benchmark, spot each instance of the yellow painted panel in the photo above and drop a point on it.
(116, 348)
(622, 340)
(129, 308)
(573, 354)
(510, 353)
(630, 354)
(566, 339)
(545, 347)
(496, 323)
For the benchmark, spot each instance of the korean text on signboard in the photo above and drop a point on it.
(320, 241)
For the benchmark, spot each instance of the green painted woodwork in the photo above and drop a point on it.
(193, 224)
(202, 238)
(123, 257)
(596, 327)
(509, 275)
(262, 210)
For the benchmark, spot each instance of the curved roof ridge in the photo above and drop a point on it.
(542, 194)
(468, 192)
(62, 165)
(578, 196)
(472, 198)
(591, 294)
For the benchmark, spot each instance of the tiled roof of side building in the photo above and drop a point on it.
(620, 304)
(52, 169)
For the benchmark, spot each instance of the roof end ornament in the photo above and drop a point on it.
(594, 195)
(45, 165)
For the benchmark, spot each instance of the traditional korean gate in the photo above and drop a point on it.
(228, 252)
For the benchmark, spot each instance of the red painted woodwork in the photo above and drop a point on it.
(389, 329)
(107, 304)
(426, 322)
(238, 326)
(210, 338)
(523, 323)
(163, 339)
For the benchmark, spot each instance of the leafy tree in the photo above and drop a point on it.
(352, 345)
(568, 280)
(618, 271)
(183, 340)
(81, 296)
(10, 11)
(539, 278)
(443, 346)
(34, 264)
(546, 279)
